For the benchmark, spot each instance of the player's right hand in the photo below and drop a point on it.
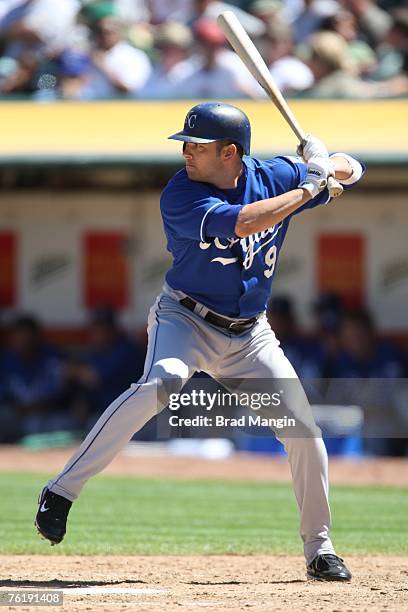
(318, 170)
(311, 147)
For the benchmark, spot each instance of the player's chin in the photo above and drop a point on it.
(192, 173)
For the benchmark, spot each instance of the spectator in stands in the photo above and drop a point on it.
(33, 32)
(328, 311)
(32, 381)
(162, 11)
(334, 75)
(305, 355)
(362, 354)
(393, 51)
(45, 48)
(135, 11)
(35, 25)
(370, 361)
(267, 10)
(7, 7)
(330, 64)
(19, 75)
(111, 364)
(361, 56)
(310, 19)
(10, 429)
(210, 9)
(216, 72)
(116, 67)
(373, 22)
(174, 41)
(72, 68)
(289, 72)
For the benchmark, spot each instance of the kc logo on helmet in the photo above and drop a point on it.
(191, 120)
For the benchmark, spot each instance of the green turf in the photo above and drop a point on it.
(139, 516)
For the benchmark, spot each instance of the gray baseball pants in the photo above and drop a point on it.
(181, 343)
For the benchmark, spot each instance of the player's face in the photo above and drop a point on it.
(203, 162)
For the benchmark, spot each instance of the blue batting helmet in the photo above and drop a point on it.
(213, 121)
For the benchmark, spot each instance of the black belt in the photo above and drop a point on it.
(236, 327)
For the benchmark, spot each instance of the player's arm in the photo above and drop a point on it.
(261, 215)
(343, 170)
(347, 169)
(191, 211)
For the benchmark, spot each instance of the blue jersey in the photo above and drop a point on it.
(211, 264)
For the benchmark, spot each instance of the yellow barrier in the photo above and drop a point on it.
(132, 128)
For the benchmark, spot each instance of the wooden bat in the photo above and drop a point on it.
(249, 54)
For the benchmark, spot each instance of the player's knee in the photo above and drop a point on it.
(308, 446)
(171, 369)
(170, 376)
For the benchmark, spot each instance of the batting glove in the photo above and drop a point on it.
(311, 147)
(318, 169)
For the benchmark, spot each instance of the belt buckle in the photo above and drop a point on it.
(231, 325)
(245, 324)
(238, 324)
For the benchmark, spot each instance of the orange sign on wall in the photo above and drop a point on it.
(341, 266)
(8, 268)
(106, 269)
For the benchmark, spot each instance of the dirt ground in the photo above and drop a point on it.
(152, 461)
(216, 583)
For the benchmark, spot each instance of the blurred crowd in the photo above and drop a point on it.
(46, 389)
(167, 49)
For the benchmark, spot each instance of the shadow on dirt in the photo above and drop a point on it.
(232, 582)
(63, 584)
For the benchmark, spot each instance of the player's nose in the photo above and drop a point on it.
(187, 150)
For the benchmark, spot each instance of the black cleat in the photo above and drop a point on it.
(329, 568)
(51, 519)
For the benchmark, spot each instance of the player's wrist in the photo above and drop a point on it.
(311, 188)
(356, 169)
(311, 147)
(318, 170)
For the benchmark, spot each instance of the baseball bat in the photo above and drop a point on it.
(249, 54)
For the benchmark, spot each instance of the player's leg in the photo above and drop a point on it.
(172, 357)
(170, 360)
(258, 356)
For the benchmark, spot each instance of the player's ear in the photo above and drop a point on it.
(229, 151)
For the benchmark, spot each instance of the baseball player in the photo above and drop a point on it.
(225, 216)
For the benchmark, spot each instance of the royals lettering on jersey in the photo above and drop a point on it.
(230, 275)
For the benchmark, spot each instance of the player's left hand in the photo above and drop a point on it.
(318, 171)
(311, 147)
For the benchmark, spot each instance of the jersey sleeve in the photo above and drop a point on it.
(323, 197)
(190, 211)
(288, 173)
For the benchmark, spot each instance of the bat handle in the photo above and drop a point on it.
(334, 187)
